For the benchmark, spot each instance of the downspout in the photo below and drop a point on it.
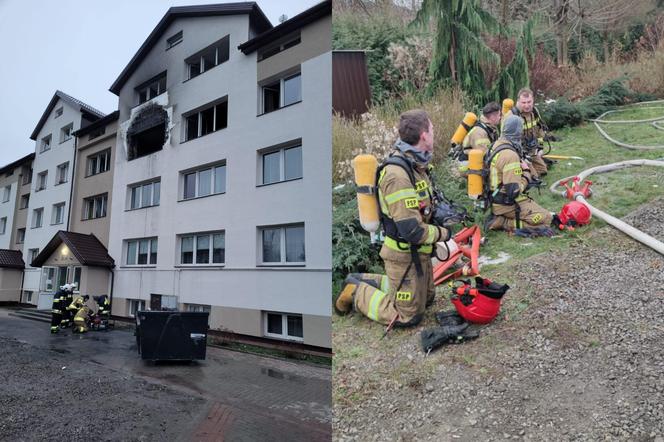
(110, 293)
(73, 177)
(20, 293)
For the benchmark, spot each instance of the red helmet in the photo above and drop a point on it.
(574, 213)
(479, 305)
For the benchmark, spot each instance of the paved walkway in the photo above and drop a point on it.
(248, 397)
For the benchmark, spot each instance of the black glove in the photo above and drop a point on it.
(433, 338)
(532, 183)
(534, 232)
(450, 317)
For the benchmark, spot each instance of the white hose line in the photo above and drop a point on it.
(600, 119)
(638, 235)
(657, 125)
(654, 121)
(625, 145)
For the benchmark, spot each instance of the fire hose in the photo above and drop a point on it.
(655, 122)
(637, 234)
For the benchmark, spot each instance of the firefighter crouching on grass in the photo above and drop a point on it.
(509, 180)
(405, 197)
(485, 131)
(533, 131)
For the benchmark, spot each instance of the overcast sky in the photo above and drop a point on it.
(79, 47)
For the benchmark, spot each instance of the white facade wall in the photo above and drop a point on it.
(241, 282)
(37, 238)
(8, 210)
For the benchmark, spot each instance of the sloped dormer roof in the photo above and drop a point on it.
(87, 249)
(76, 104)
(256, 17)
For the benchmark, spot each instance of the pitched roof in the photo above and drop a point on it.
(14, 164)
(77, 104)
(87, 249)
(256, 18)
(11, 259)
(312, 14)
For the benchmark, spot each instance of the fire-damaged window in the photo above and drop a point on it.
(147, 133)
(151, 88)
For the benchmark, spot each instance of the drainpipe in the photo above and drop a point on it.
(110, 294)
(20, 293)
(73, 177)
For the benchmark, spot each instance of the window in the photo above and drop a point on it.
(210, 119)
(142, 252)
(99, 162)
(144, 195)
(77, 278)
(32, 254)
(20, 236)
(135, 305)
(197, 308)
(58, 213)
(270, 51)
(45, 143)
(282, 92)
(95, 206)
(283, 245)
(61, 174)
(58, 112)
(205, 181)
(66, 132)
(25, 201)
(42, 178)
(173, 40)
(281, 165)
(27, 176)
(152, 88)
(49, 278)
(3, 225)
(6, 193)
(283, 325)
(96, 133)
(203, 248)
(37, 217)
(212, 56)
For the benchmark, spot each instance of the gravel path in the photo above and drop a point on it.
(52, 396)
(576, 354)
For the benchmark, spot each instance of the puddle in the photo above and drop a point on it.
(276, 374)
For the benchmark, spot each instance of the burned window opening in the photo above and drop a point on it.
(147, 132)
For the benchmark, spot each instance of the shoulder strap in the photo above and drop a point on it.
(396, 160)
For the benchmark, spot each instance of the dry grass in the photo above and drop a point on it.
(376, 131)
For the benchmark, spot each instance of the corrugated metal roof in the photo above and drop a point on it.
(351, 92)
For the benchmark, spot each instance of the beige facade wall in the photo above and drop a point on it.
(236, 320)
(10, 284)
(62, 257)
(317, 330)
(95, 281)
(21, 215)
(87, 186)
(119, 306)
(315, 40)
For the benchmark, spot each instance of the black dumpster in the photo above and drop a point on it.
(169, 335)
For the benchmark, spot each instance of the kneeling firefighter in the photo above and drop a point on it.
(508, 182)
(404, 192)
(82, 312)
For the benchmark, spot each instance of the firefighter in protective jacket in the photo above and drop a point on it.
(533, 131)
(405, 196)
(485, 131)
(510, 178)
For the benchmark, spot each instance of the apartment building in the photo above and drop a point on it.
(50, 191)
(222, 172)
(15, 179)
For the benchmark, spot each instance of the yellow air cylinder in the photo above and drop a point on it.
(365, 167)
(475, 163)
(508, 104)
(468, 122)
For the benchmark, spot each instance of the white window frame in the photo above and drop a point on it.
(189, 61)
(3, 225)
(32, 254)
(98, 202)
(20, 239)
(174, 40)
(45, 143)
(66, 132)
(96, 168)
(25, 201)
(282, 245)
(146, 87)
(138, 245)
(54, 213)
(39, 210)
(58, 112)
(135, 305)
(27, 176)
(194, 237)
(62, 173)
(197, 186)
(284, 326)
(282, 164)
(6, 194)
(198, 308)
(42, 181)
(282, 95)
(198, 113)
(43, 284)
(286, 44)
(139, 188)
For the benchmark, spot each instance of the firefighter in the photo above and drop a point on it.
(485, 131)
(405, 197)
(82, 311)
(68, 313)
(57, 310)
(533, 131)
(510, 178)
(104, 306)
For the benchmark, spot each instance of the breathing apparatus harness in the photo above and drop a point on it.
(458, 152)
(541, 123)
